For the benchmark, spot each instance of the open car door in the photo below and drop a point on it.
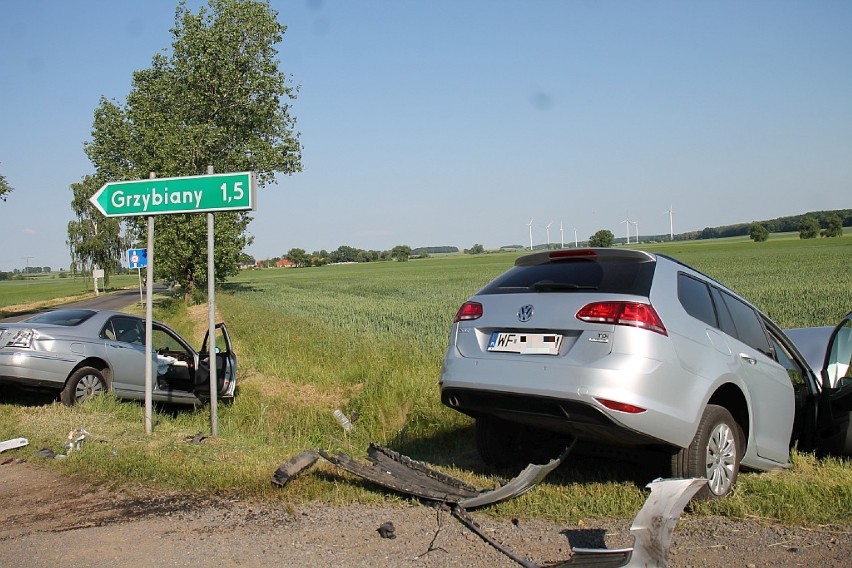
(226, 365)
(834, 427)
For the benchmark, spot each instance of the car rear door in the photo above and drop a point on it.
(770, 390)
(124, 338)
(834, 420)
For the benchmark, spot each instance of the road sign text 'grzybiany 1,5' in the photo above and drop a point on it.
(191, 194)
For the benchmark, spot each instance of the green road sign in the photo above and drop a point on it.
(192, 194)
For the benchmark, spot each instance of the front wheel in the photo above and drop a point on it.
(714, 453)
(83, 384)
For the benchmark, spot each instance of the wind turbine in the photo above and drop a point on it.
(636, 226)
(627, 222)
(561, 235)
(547, 228)
(530, 227)
(575, 238)
(671, 222)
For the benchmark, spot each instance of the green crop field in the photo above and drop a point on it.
(369, 339)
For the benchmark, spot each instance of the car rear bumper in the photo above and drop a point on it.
(568, 399)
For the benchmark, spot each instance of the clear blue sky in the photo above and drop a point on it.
(456, 122)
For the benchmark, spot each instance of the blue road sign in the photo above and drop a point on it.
(137, 258)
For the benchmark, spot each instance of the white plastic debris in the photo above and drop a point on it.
(76, 438)
(13, 443)
(347, 425)
(652, 529)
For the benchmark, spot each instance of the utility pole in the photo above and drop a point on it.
(27, 271)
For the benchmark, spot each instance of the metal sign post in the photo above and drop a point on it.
(138, 259)
(211, 321)
(149, 327)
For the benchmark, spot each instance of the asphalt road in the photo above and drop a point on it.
(119, 300)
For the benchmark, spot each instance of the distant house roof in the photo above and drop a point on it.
(284, 263)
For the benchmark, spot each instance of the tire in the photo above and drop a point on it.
(714, 453)
(499, 442)
(83, 384)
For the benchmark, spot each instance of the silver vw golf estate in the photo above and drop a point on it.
(626, 348)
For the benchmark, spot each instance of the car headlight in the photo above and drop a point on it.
(23, 338)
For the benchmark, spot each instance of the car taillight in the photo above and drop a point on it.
(623, 313)
(469, 311)
(621, 406)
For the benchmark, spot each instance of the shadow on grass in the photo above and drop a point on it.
(11, 394)
(587, 463)
(30, 398)
(238, 287)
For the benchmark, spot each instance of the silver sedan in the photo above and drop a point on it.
(83, 352)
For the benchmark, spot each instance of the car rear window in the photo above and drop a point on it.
(62, 317)
(606, 275)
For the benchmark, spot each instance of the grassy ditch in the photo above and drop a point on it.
(368, 339)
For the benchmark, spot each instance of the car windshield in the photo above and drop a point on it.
(62, 317)
(615, 276)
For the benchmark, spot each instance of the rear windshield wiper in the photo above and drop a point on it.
(550, 286)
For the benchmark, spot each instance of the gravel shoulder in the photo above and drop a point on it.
(50, 520)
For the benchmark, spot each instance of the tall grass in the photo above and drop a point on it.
(368, 339)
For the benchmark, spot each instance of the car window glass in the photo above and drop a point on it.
(567, 275)
(108, 332)
(128, 330)
(749, 329)
(694, 296)
(166, 342)
(786, 359)
(62, 317)
(726, 321)
(839, 364)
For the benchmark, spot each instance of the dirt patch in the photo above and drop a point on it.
(51, 520)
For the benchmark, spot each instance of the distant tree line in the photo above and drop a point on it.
(792, 224)
(419, 251)
(22, 272)
(809, 228)
(342, 254)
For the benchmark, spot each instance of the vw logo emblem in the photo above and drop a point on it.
(525, 313)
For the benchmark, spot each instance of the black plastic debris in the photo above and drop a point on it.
(293, 467)
(387, 530)
(400, 473)
(45, 453)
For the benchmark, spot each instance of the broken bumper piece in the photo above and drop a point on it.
(652, 528)
(400, 473)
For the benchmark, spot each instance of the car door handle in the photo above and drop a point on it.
(748, 358)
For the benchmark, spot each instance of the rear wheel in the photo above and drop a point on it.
(715, 453)
(83, 384)
(495, 440)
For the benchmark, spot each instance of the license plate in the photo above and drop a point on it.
(525, 343)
